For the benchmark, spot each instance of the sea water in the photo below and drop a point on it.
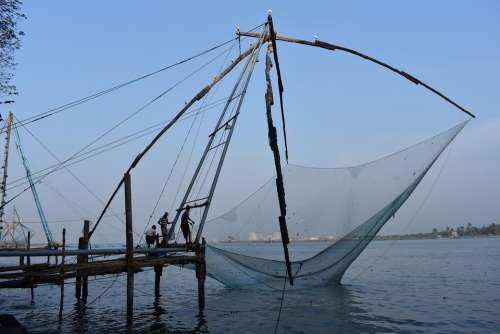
(407, 286)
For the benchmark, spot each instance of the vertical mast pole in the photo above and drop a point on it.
(273, 142)
(3, 184)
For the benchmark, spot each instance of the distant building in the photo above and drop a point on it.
(453, 233)
(258, 236)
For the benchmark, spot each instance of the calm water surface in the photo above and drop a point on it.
(424, 286)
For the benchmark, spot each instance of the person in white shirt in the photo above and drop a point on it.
(151, 236)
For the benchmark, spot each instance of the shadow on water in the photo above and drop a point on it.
(337, 309)
(312, 310)
(418, 290)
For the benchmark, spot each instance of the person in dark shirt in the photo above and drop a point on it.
(185, 221)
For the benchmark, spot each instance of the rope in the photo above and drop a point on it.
(179, 153)
(85, 186)
(91, 97)
(138, 134)
(281, 306)
(69, 105)
(117, 125)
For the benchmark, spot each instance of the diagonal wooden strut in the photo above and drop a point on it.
(197, 97)
(333, 47)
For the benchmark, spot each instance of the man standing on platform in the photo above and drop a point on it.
(185, 221)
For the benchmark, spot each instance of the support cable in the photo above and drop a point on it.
(188, 105)
(179, 153)
(115, 143)
(91, 97)
(69, 105)
(83, 184)
(119, 124)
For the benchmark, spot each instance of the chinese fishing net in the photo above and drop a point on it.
(350, 204)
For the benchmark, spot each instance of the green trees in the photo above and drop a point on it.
(10, 15)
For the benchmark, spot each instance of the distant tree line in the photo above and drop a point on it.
(449, 232)
(10, 41)
(468, 231)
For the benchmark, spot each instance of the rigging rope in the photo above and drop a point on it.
(110, 145)
(179, 153)
(281, 306)
(39, 179)
(69, 105)
(88, 98)
(85, 186)
(118, 124)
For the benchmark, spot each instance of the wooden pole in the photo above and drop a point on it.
(333, 47)
(61, 302)
(85, 259)
(28, 260)
(197, 97)
(130, 248)
(201, 273)
(158, 273)
(273, 143)
(78, 280)
(81, 283)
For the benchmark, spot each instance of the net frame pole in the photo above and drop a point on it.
(334, 47)
(186, 107)
(253, 51)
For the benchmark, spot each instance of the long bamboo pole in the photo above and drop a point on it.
(197, 97)
(334, 47)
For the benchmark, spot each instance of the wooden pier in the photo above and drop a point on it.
(128, 260)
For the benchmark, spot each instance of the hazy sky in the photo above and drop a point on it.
(341, 110)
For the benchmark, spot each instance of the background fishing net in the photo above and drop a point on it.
(350, 205)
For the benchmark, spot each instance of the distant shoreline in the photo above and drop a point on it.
(404, 237)
(377, 238)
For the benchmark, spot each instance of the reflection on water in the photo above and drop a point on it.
(408, 286)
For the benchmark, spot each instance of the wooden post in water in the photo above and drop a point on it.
(85, 259)
(130, 248)
(81, 283)
(28, 261)
(158, 273)
(78, 279)
(201, 273)
(61, 302)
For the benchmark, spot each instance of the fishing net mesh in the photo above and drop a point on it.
(349, 205)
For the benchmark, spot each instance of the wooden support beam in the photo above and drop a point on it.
(273, 143)
(85, 259)
(204, 91)
(201, 273)
(108, 267)
(158, 274)
(334, 47)
(78, 280)
(130, 247)
(29, 265)
(61, 301)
